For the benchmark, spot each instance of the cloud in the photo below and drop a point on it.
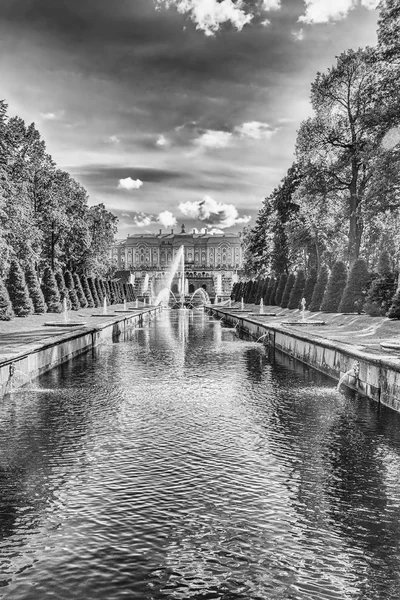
(323, 11)
(209, 15)
(162, 141)
(212, 212)
(129, 184)
(209, 139)
(166, 219)
(271, 4)
(266, 22)
(49, 116)
(141, 219)
(255, 130)
(298, 35)
(114, 139)
(213, 139)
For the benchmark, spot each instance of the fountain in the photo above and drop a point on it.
(105, 305)
(303, 317)
(66, 322)
(261, 312)
(241, 309)
(350, 377)
(178, 266)
(204, 296)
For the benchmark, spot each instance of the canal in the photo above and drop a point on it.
(185, 463)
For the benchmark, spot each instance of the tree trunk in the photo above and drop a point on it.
(355, 223)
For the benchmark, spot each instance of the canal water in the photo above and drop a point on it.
(185, 463)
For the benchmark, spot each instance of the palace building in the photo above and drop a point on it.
(212, 262)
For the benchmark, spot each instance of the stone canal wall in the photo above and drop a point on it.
(373, 377)
(18, 369)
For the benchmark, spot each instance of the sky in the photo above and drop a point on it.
(173, 112)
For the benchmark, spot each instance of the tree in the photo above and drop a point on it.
(340, 146)
(6, 309)
(280, 288)
(70, 287)
(79, 291)
(64, 293)
(268, 291)
(17, 290)
(93, 291)
(354, 293)
(35, 291)
(297, 290)
(334, 289)
(319, 289)
(309, 286)
(288, 288)
(383, 287)
(51, 292)
(87, 291)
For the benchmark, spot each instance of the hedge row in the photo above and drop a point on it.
(335, 291)
(21, 294)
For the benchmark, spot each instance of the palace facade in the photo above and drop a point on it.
(212, 262)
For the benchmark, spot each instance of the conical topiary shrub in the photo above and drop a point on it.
(354, 293)
(99, 291)
(309, 286)
(6, 309)
(319, 289)
(382, 289)
(280, 288)
(70, 286)
(79, 291)
(64, 294)
(288, 288)
(394, 309)
(93, 291)
(34, 290)
(297, 291)
(87, 292)
(51, 292)
(270, 290)
(334, 289)
(131, 292)
(18, 291)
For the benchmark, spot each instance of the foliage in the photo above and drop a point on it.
(62, 288)
(319, 289)
(288, 288)
(270, 292)
(35, 291)
(297, 290)
(6, 309)
(309, 286)
(79, 291)
(334, 289)
(355, 292)
(51, 292)
(93, 291)
(280, 288)
(45, 217)
(394, 309)
(383, 287)
(18, 291)
(87, 291)
(70, 286)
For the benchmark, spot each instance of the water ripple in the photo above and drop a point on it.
(183, 464)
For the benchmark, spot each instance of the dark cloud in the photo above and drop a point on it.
(122, 74)
(102, 175)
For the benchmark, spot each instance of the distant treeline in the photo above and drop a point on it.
(329, 291)
(340, 200)
(45, 219)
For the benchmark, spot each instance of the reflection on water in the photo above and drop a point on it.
(185, 463)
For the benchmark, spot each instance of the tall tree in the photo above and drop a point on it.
(340, 146)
